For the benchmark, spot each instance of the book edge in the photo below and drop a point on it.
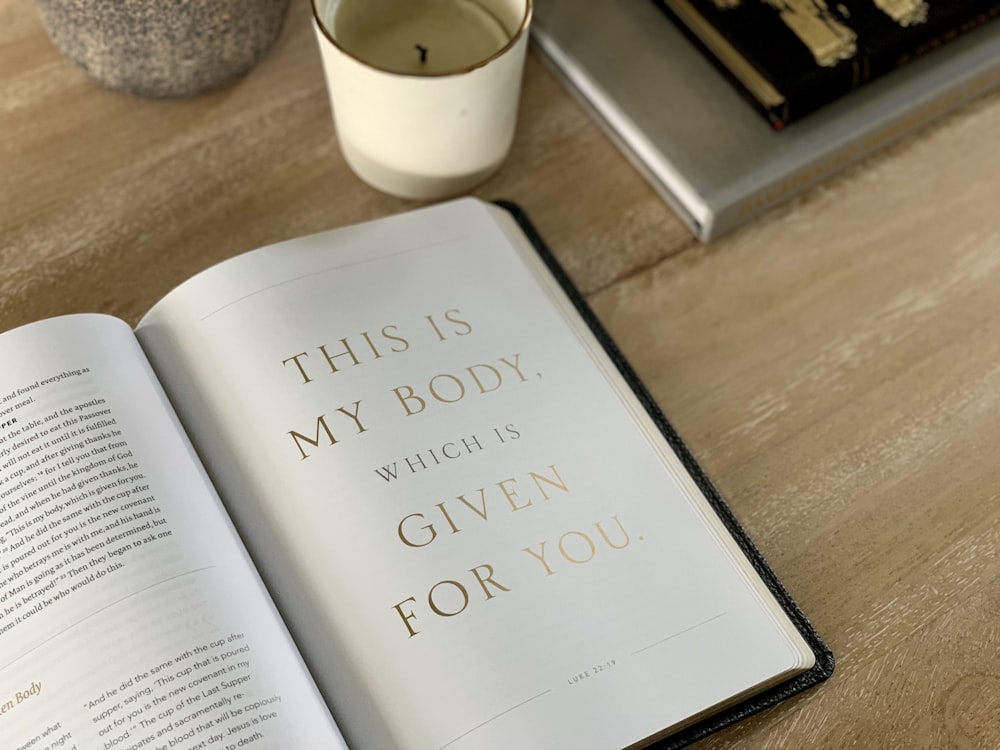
(825, 662)
(669, 182)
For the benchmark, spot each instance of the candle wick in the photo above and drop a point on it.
(423, 52)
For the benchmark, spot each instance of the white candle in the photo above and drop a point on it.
(424, 92)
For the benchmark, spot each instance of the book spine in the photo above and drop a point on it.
(727, 59)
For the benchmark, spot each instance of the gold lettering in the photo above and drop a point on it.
(410, 396)
(497, 377)
(348, 352)
(586, 539)
(368, 340)
(481, 510)
(540, 556)
(604, 535)
(515, 366)
(427, 527)
(451, 378)
(320, 424)
(385, 334)
(407, 616)
(557, 482)
(487, 579)
(430, 319)
(447, 388)
(302, 370)
(449, 598)
(354, 416)
(437, 610)
(479, 501)
(578, 548)
(511, 494)
(447, 517)
(463, 327)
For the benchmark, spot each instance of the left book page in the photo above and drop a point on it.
(130, 614)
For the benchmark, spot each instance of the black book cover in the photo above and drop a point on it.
(791, 57)
(824, 665)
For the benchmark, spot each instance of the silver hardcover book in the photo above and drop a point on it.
(707, 151)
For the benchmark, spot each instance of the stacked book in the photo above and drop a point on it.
(833, 81)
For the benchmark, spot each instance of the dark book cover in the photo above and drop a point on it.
(790, 57)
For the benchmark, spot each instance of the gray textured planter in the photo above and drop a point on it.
(163, 48)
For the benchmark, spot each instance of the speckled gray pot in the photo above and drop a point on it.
(163, 48)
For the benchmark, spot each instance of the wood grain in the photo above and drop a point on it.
(836, 368)
(835, 365)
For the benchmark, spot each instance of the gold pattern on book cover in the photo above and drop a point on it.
(825, 31)
(904, 12)
(819, 28)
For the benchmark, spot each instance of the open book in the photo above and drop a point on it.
(450, 516)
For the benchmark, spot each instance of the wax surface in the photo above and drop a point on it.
(423, 37)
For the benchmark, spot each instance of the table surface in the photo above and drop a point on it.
(835, 365)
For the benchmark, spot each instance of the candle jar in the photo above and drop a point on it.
(163, 49)
(424, 93)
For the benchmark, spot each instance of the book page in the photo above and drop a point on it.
(130, 616)
(475, 537)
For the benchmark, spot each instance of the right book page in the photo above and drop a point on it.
(471, 524)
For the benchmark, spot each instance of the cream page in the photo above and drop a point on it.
(465, 520)
(130, 616)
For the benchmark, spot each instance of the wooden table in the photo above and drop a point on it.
(835, 365)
